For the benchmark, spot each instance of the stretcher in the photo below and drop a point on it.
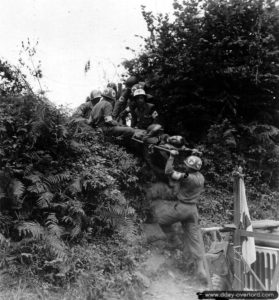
(168, 150)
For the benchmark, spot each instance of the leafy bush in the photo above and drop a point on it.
(213, 60)
(60, 183)
(224, 149)
(101, 269)
(213, 69)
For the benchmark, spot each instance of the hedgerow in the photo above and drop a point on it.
(213, 68)
(61, 184)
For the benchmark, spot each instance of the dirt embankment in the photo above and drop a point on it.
(166, 274)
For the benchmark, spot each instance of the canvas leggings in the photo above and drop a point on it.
(169, 212)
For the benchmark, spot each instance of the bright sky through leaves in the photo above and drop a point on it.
(72, 32)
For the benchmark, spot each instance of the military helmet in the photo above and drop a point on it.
(132, 80)
(95, 94)
(193, 162)
(155, 129)
(137, 86)
(109, 93)
(112, 85)
(139, 92)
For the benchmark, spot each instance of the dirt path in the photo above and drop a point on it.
(165, 279)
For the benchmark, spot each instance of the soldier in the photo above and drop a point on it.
(101, 116)
(144, 112)
(120, 110)
(190, 185)
(85, 109)
(126, 104)
(123, 100)
(113, 86)
(157, 159)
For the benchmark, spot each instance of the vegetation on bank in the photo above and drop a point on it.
(71, 201)
(63, 185)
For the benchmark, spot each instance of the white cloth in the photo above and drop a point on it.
(248, 244)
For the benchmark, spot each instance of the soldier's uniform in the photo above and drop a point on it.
(84, 110)
(101, 116)
(145, 113)
(187, 193)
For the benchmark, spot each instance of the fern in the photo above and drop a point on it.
(33, 177)
(44, 200)
(114, 214)
(51, 236)
(121, 219)
(58, 178)
(130, 211)
(31, 228)
(128, 229)
(57, 246)
(76, 213)
(51, 218)
(58, 206)
(76, 208)
(38, 188)
(17, 188)
(52, 225)
(76, 186)
(54, 182)
(75, 223)
(76, 230)
(68, 220)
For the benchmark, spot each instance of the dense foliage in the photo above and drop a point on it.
(215, 60)
(214, 70)
(60, 183)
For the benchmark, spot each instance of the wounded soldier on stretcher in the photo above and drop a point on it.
(153, 139)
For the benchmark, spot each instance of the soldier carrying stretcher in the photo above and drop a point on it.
(190, 185)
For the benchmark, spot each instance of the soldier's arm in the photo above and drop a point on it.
(118, 108)
(124, 112)
(169, 170)
(108, 115)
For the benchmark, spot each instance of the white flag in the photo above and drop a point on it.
(248, 244)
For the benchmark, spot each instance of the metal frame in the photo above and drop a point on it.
(239, 234)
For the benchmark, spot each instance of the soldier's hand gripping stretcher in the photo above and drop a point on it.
(173, 150)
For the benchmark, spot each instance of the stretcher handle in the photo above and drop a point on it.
(169, 150)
